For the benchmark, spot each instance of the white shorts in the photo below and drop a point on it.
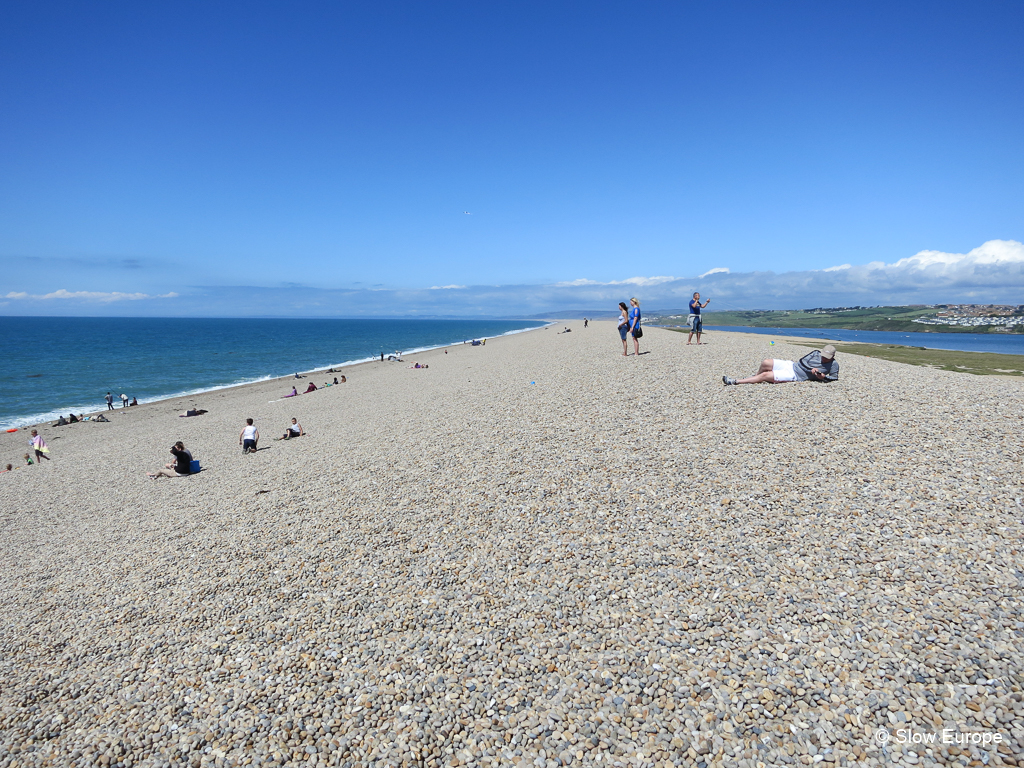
(782, 370)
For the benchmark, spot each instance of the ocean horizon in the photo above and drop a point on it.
(57, 365)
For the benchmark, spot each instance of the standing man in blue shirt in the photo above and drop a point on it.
(696, 325)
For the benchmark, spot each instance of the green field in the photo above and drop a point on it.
(869, 319)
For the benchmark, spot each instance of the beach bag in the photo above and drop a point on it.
(195, 466)
(638, 332)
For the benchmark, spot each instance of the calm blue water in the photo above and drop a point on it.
(1005, 344)
(54, 365)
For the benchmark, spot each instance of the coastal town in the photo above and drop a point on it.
(1006, 315)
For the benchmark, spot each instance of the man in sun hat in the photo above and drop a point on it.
(819, 365)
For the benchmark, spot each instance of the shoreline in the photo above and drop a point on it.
(46, 419)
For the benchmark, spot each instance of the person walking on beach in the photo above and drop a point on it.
(37, 444)
(181, 466)
(110, 401)
(624, 327)
(634, 324)
(585, 322)
(249, 437)
(814, 366)
(696, 324)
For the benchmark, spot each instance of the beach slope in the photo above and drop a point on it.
(535, 550)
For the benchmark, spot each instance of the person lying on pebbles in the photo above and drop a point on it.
(814, 366)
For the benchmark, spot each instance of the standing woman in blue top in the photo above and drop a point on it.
(696, 324)
(634, 323)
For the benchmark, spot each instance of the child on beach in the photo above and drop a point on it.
(294, 430)
(249, 437)
(8, 468)
(28, 460)
(39, 446)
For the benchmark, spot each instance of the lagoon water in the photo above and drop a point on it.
(1002, 343)
(55, 365)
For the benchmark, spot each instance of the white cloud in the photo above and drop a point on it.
(100, 296)
(991, 273)
(992, 252)
(642, 281)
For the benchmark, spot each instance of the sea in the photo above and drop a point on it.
(57, 365)
(1001, 343)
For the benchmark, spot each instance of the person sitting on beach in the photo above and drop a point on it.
(61, 421)
(293, 393)
(181, 466)
(335, 379)
(343, 379)
(248, 437)
(72, 419)
(7, 469)
(294, 430)
(310, 388)
(819, 365)
(135, 401)
(28, 460)
(297, 376)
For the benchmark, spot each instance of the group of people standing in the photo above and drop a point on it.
(124, 401)
(629, 325)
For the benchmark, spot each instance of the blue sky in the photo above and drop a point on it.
(166, 160)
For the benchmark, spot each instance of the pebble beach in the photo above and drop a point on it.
(535, 552)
